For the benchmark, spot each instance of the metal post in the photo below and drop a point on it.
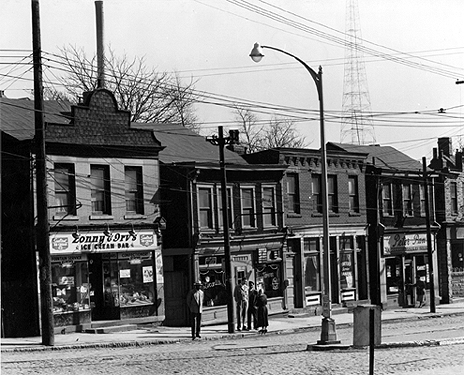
(429, 237)
(43, 227)
(225, 221)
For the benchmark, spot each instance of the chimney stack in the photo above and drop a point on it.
(445, 145)
(100, 48)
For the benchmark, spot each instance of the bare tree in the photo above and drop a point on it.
(150, 96)
(279, 132)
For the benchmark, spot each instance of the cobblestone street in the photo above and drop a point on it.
(271, 354)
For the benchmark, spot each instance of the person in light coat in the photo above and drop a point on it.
(195, 298)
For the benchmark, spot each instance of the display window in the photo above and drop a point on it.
(311, 265)
(214, 287)
(136, 279)
(70, 285)
(268, 277)
(394, 275)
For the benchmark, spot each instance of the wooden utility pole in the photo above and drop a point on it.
(43, 228)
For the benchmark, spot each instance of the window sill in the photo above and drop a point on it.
(134, 217)
(354, 214)
(65, 218)
(294, 214)
(331, 214)
(101, 217)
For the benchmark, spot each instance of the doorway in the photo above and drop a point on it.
(104, 281)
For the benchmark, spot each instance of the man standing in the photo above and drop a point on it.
(252, 307)
(241, 300)
(195, 298)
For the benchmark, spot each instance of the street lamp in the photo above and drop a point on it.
(221, 141)
(328, 332)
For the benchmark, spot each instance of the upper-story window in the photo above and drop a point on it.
(229, 206)
(332, 193)
(100, 189)
(293, 193)
(353, 193)
(269, 206)
(65, 189)
(422, 199)
(205, 206)
(387, 199)
(248, 207)
(454, 197)
(407, 200)
(316, 192)
(134, 190)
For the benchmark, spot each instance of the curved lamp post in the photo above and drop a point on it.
(328, 332)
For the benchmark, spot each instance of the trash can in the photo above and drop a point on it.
(361, 325)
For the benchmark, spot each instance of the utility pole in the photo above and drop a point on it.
(221, 142)
(429, 237)
(43, 227)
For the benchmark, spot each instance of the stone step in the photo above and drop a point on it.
(111, 329)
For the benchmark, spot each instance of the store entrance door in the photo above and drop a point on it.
(104, 292)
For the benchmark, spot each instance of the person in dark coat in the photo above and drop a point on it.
(252, 307)
(261, 303)
(195, 299)
(420, 291)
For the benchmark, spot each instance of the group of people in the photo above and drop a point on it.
(251, 304)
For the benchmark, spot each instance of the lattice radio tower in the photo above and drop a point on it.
(357, 124)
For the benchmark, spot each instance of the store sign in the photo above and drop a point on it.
(97, 242)
(400, 243)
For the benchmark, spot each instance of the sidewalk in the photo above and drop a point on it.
(164, 335)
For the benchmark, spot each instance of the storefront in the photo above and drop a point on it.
(406, 261)
(105, 276)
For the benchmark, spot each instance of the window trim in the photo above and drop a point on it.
(389, 200)
(71, 208)
(294, 208)
(355, 195)
(139, 199)
(106, 190)
(332, 208)
(454, 205)
(316, 180)
(274, 206)
(407, 212)
(211, 207)
(220, 224)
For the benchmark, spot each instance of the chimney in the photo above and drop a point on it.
(459, 161)
(100, 49)
(445, 145)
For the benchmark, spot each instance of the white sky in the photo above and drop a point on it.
(210, 40)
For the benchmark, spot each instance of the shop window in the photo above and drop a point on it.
(214, 287)
(65, 189)
(387, 198)
(454, 198)
(248, 207)
(353, 194)
(347, 279)
(136, 279)
(205, 206)
(332, 193)
(100, 189)
(70, 286)
(393, 274)
(229, 206)
(311, 269)
(293, 193)
(268, 206)
(268, 278)
(134, 190)
(407, 200)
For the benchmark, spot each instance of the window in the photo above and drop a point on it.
(407, 200)
(422, 199)
(454, 197)
(347, 279)
(134, 190)
(316, 192)
(268, 205)
(293, 193)
(248, 208)
(229, 206)
(387, 199)
(100, 189)
(353, 193)
(311, 265)
(65, 194)
(205, 207)
(332, 193)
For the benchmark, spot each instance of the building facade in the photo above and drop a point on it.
(303, 220)
(103, 177)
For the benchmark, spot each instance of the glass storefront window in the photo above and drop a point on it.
(393, 269)
(346, 271)
(214, 287)
(70, 286)
(269, 278)
(136, 278)
(311, 269)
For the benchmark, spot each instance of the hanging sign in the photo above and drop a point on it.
(403, 243)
